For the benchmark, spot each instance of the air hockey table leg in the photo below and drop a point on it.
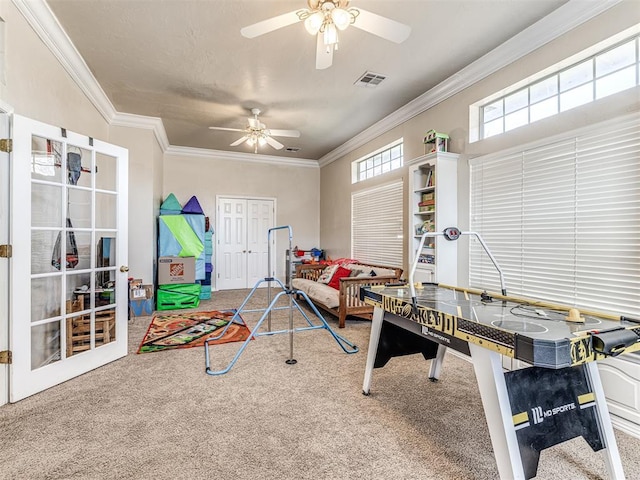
(374, 339)
(497, 409)
(436, 364)
(611, 453)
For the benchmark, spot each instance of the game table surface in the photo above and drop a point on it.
(530, 330)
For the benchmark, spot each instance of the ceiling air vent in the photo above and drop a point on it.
(292, 149)
(370, 79)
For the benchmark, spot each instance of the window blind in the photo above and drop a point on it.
(563, 219)
(376, 225)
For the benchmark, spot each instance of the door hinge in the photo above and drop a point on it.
(6, 251)
(6, 145)
(5, 357)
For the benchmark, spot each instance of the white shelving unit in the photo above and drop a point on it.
(433, 205)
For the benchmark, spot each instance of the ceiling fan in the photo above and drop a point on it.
(324, 18)
(257, 134)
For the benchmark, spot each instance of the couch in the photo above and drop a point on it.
(336, 288)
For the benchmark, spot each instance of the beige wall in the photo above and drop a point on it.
(452, 116)
(316, 203)
(145, 172)
(38, 87)
(295, 188)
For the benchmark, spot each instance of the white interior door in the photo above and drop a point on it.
(68, 229)
(232, 244)
(242, 248)
(259, 221)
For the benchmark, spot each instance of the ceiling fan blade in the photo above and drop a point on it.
(270, 25)
(283, 133)
(382, 27)
(227, 129)
(324, 58)
(274, 143)
(239, 141)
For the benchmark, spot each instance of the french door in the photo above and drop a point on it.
(242, 243)
(4, 263)
(68, 230)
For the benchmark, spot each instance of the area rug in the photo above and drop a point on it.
(187, 330)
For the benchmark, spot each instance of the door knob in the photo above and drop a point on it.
(124, 268)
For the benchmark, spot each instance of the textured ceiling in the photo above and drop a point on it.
(186, 62)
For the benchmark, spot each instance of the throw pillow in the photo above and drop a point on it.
(339, 273)
(327, 273)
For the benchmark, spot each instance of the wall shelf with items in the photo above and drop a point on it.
(298, 257)
(433, 206)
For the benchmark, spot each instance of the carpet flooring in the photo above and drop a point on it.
(161, 416)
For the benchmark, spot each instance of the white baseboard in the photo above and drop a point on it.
(625, 426)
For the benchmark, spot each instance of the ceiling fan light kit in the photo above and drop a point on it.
(327, 18)
(324, 18)
(256, 134)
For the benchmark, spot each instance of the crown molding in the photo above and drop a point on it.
(140, 121)
(5, 107)
(46, 25)
(239, 156)
(39, 15)
(572, 14)
(560, 21)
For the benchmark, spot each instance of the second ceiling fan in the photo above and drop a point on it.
(325, 18)
(257, 134)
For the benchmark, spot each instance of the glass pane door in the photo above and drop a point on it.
(73, 216)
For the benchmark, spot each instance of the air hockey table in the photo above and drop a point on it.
(557, 397)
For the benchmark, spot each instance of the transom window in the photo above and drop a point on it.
(382, 161)
(604, 73)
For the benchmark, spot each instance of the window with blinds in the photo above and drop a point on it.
(376, 225)
(563, 219)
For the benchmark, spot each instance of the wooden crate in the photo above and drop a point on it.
(76, 305)
(79, 331)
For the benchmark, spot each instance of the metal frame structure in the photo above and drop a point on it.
(451, 234)
(344, 344)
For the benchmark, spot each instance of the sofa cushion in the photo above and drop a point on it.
(369, 271)
(335, 280)
(363, 275)
(384, 272)
(324, 294)
(303, 284)
(319, 292)
(327, 273)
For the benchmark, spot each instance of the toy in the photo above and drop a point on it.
(435, 142)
